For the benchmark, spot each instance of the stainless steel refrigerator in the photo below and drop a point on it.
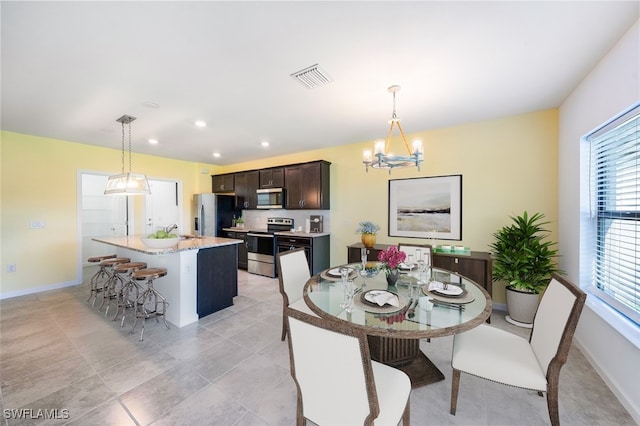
(212, 212)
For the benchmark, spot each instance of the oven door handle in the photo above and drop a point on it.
(260, 235)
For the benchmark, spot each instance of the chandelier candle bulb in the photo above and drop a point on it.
(366, 156)
(417, 147)
(379, 147)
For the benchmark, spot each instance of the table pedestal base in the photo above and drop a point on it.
(405, 355)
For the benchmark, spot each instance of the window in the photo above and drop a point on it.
(615, 212)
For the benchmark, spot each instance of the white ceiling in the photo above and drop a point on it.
(70, 69)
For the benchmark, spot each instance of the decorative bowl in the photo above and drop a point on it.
(159, 243)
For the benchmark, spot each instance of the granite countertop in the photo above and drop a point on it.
(192, 243)
(236, 229)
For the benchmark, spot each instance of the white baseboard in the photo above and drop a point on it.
(41, 289)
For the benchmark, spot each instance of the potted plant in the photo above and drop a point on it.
(240, 222)
(367, 231)
(525, 259)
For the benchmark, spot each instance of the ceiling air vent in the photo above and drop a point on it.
(312, 77)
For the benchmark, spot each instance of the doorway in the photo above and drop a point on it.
(107, 215)
(162, 206)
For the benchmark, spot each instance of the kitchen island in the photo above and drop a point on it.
(202, 273)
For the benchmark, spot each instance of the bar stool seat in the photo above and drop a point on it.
(100, 278)
(109, 289)
(145, 308)
(123, 295)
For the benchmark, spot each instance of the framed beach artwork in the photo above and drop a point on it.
(426, 207)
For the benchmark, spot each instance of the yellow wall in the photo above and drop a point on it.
(508, 165)
(39, 182)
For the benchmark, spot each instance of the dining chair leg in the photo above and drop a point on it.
(552, 400)
(455, 384)
(284, 330)
(406, 416)
(300, 420)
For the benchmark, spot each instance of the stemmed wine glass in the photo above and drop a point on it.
(344, 273)
(410, 264)
(363, 260)
(349, 291)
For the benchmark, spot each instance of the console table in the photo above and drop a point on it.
(475, 265)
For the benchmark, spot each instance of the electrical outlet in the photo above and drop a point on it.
(11, 267)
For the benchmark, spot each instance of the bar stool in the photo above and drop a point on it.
(144, 308)
(108, 291)
(122, 298)
(100, 278)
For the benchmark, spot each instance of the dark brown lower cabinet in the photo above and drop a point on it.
(217, 278)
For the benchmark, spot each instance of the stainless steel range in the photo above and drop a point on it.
(261, 246)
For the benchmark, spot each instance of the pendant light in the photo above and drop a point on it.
(127, 183)
(385, 159)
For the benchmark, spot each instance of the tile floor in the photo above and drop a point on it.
(230, 368)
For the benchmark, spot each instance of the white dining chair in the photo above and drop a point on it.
(418, 251)
(293, 274)
(497, 355)
(336, 380)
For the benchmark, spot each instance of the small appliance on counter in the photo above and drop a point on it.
(315, 223)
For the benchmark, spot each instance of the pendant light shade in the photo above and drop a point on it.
(127, 183)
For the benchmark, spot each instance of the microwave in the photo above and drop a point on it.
(270, 198)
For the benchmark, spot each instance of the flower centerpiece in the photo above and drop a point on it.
(368, 232)
(390, 259)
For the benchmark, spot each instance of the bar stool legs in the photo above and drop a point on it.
(100, 278)
(149, 301)
(123, 296)
(108, 291)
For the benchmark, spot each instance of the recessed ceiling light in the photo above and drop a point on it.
(200, 123)
(153, 141)
(216, 154)
(264, 144)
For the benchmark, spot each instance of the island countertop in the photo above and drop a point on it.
(133, 242)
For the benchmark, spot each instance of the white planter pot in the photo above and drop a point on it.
(522, 306)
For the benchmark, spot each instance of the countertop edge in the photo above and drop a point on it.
(134, 243)
(281, 233)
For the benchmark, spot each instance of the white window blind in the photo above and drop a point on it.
(615, 192)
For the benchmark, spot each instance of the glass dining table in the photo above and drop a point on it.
(433, 304)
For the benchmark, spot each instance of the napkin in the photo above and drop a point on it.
(383, 297)
(439, 287)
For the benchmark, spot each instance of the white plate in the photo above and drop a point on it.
(336, 272)
(371, 295)
(452, 290)
(405, 267)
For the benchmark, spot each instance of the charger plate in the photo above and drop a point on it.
(462, 299)
(367, 306)
(333, 274)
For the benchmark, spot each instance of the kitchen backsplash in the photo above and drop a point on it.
(257, 219)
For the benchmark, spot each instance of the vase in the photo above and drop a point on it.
(392, 277)
(368, 240)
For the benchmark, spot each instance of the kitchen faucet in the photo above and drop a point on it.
(170, 228)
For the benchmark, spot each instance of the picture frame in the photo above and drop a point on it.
(428, 207)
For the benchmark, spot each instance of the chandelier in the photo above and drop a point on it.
(127, 183)
(387, 160)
